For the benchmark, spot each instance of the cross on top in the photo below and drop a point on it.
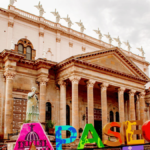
(31, 126)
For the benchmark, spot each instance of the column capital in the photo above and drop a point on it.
(121, 89)
(75, 79)
(90, 83)
(43, 80)
(142, 94)
(61, 82)
(132, 92)
(146, 109)
(9, 74)
(104, 85)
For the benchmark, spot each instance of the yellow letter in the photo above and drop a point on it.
(130, 132)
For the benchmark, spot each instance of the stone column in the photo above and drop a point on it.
(137, 109)
(42, 100)
(121, 104)
(132, 109)
(142, 106)
(57, 106)
(62, 107)
(90, 100)
(62, 102)
(131, 105)
(8, 118)
(121, 107)
(104, 106)
(75, 102)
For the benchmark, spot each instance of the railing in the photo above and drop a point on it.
(49, 23)
(26, 14)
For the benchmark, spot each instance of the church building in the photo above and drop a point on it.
(78, 79)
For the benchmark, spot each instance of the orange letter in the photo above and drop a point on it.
(108, 132)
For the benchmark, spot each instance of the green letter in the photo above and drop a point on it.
(84, 140)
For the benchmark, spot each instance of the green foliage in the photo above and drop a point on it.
(50, 124)
(26, 121)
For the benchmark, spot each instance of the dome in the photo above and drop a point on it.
(32, 136)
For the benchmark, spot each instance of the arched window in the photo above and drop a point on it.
(112, 118)
(48, 111)
(28, 53)
(117, 120)
(24, 46)
(20, 48)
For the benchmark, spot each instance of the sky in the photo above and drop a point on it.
(128, 19)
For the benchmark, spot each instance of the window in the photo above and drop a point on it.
(28, 53)
(20, 48)
(24, 46)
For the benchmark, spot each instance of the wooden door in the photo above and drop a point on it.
(19, 112)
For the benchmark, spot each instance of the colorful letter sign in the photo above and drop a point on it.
(146, 130)
(108, 132)
(58, 135)
(130, 132)
(84, 140)
(32, 134)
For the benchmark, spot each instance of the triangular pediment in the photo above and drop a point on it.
(115, 60)
(110, 61)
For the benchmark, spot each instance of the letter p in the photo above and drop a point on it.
(58, 135)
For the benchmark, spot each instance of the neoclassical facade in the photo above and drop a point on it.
(79, 79)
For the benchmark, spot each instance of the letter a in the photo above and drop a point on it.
(84, 140)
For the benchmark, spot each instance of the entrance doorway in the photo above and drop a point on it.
(97, 121)
(98, 127)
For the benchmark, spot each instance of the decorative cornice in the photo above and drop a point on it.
(41, 34)
(21, 90)
(70, 44)
(101, 68)
(10, 24)
(58, 40)
(120, 53)
(9, 74)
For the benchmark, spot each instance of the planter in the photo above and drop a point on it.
(51, 131)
